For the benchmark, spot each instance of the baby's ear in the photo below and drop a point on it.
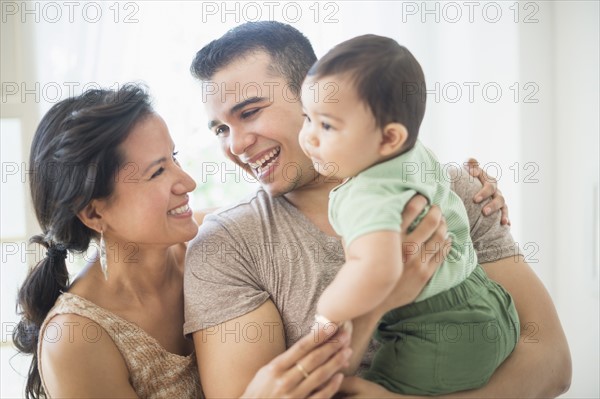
(393, 137)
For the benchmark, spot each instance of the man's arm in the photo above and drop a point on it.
(230, 354)
(246, 357)
(541, 359)
(246, 354)
(539, 366)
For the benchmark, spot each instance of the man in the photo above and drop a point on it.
(256, 269)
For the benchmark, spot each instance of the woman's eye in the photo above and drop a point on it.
(157, 173)
(175, 157)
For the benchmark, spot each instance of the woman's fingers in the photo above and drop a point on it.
(330, 388)
(300, 349)
(355, 387)
(319, 356)
(321, 375)
(305, 368)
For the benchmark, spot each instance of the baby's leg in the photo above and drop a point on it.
(451, 342)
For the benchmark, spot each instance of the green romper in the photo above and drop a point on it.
(463, 325)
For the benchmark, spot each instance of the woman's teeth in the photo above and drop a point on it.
(179, 211)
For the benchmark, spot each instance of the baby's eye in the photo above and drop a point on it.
(325, 126)
(306, 118)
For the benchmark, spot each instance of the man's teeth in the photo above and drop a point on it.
(262, 163)
(181, 210)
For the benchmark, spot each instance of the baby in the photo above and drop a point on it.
(364, 102)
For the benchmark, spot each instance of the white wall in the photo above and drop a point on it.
(575, 187)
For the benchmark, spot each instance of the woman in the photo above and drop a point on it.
(104, 168)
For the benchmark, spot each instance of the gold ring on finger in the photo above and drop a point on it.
(302, 370)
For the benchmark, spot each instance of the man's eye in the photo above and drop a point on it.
(248, 114)
(157, 173)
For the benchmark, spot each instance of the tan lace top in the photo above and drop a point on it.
(153, 372)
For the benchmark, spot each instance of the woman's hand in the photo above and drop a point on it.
(310, 368)
(423, 251)
(489, 190)
(355, 387)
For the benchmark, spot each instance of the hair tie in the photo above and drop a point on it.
(57, 250)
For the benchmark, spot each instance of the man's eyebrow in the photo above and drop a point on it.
(237, 107)
(248, 101)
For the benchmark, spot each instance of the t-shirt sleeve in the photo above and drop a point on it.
(366, 207)
(490, 240)
(220, 282)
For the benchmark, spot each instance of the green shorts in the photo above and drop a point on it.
(450, 342)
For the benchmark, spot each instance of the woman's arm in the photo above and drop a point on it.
(75, 366)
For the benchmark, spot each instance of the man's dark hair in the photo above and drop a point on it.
(291, 52)
(386, 76)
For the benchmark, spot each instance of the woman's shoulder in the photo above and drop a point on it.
(68, 339)
(73, 351)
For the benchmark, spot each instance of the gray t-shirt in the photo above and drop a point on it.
(264, 247)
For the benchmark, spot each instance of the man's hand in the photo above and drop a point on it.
(423, 251)
(489, 190)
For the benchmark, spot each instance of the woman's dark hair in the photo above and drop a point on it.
(75, 155)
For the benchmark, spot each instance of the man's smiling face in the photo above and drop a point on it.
(257, 118)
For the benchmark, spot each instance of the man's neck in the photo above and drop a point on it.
(313, 200)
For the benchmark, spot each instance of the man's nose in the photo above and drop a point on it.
(240, 140)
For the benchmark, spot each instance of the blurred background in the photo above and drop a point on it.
(511, 83)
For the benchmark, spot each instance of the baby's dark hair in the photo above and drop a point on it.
(74, 158)
(386, 76)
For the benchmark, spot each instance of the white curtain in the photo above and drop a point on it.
(469, 55)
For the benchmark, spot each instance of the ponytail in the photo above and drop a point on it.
(42, 287)
(79, 137)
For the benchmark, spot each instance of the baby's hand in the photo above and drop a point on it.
(323, 327)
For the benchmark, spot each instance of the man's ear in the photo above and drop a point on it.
(393, 137)
(91, 215)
